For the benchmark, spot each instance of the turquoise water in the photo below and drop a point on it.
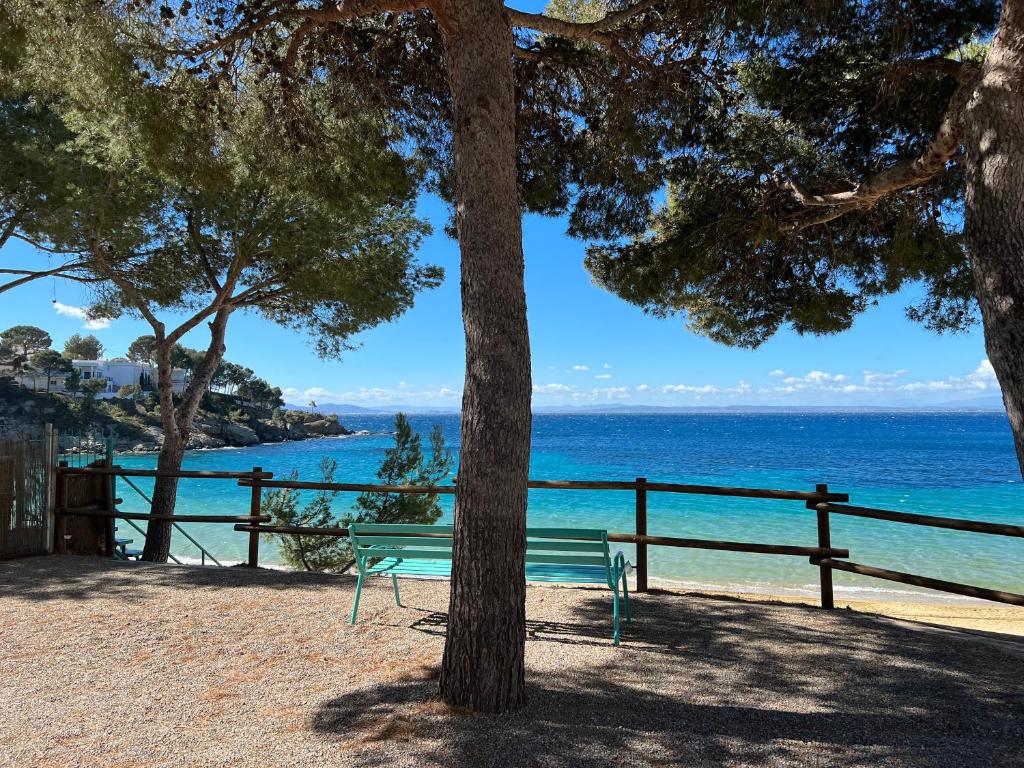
(954, 464)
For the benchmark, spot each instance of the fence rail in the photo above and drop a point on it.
(108, 508)
(821, 501)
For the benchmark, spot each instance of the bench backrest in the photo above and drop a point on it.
(556, 546)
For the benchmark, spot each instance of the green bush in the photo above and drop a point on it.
(129, 391)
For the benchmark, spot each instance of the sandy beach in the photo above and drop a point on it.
(963, 614)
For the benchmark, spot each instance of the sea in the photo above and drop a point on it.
(957, 464)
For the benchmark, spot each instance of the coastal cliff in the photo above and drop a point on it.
(134, 423)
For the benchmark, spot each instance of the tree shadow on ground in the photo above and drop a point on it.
(700, 681)
(78, 577)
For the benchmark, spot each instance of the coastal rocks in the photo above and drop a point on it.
(143, 448)
(204, 440)
(271, 432)
(325, 427)
(236, 434)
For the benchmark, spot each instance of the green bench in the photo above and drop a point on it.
(564, 555)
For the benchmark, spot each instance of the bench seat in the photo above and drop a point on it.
(573, 574)
(554, 555)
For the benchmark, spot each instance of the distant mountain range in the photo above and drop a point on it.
(975, 404)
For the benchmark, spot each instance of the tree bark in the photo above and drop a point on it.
(177, 424)
(993, 128)
(483, 666)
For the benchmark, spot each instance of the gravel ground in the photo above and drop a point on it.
(107, 664)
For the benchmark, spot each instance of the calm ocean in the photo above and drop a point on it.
(955, 464)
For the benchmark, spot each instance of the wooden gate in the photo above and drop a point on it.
(27, 462)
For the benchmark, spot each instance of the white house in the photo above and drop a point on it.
(116, 374)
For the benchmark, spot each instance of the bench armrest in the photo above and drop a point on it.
(620, 564)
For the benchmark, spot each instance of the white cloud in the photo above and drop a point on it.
(642, 387)
(603, 376)
(379, 395)
(550, 389)
(613, 393)
(876, 377)
(80, 313)
(778, 373)
(607, 366)
(981, 379)
(690, 389)
(581, 367)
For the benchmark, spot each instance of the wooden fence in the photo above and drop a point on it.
(823, 502)
(26, 492)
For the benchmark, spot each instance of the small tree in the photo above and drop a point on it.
(79, 347)
(405, 464)
(90, 388)
(73, 383)
(309, 553)
(24, 341)
(49, 362)
(142, 350)
(129, 391)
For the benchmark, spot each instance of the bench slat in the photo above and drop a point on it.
(388, 528)
(565, 546)
(561, 559)
(588, 534)
(445, 554)
(406, 553)
(407, 541)
(446, 543)
(581, 574)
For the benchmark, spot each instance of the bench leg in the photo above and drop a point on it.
(615, 611)
(355, 604)
(394, 586)
(625, 597)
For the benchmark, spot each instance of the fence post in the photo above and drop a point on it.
(824, 540)
(60, 502)
(254, 510)
(50, 438)
(108, 499)
(641, 530)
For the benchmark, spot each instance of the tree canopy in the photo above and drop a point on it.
(78, 347)
(23, 341)
(850, 99)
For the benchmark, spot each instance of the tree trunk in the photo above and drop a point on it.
(165, 495)
(993, 127)
(177, 424)
(483, 657)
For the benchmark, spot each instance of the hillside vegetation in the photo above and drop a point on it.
(223, 420)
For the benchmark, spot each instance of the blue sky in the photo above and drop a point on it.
(589, 347)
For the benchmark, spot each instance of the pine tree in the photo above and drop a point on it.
(405, 464)
(308, 553)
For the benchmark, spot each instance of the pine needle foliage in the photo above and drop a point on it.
(308, 553)
(406, 464)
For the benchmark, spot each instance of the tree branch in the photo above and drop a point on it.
(345, 10)
(194, 236)
(64, 271)
(9, 228)
(594, 31)
(943, 147)
(138, 301)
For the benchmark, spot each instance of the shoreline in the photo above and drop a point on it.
(265, 444)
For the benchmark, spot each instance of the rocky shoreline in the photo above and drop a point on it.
(224, 421)
(217, 432)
